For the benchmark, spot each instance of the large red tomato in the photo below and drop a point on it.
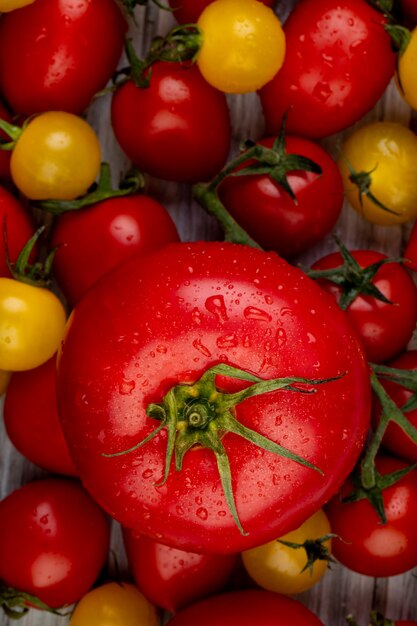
(31, 419)
(177, 128)
(188, 11)
(384, 327)
(247, 608)
(338, 63)
(56, 54)
(164, 320)
(19, 228)
(173, 578)
(54, 540)
(93, 240)
(268, 213)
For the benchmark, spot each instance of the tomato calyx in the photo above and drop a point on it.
(274, 162)
(199, 414)
(37, 274)
(352, 278)
(363, 182)
(315, 550)
(16, 604)
(100, 191)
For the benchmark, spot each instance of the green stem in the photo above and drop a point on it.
(13, 132)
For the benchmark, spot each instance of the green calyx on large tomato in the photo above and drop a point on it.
(161, 323)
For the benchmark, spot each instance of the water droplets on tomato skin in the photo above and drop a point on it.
(216, 305)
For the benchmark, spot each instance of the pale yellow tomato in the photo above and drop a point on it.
(57, 156)
(11, 5)
(32, 321)
(280, 568)
(4, 380)
(387, 152)
(243, 45)
(407, 71)
(114, 604)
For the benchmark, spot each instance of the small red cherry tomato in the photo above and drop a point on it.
(173, 578)
(54, 540)
(95, 239)
(19, 228)
(177, 128)
(31, 419)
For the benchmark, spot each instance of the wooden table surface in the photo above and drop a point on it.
(341, 591)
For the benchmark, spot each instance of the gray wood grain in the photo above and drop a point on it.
(341, 591)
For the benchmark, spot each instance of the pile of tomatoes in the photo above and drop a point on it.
(243, 417)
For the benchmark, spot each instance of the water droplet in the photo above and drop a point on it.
(179, 510)
(44, 519)
(253, 313)
(202, 513)
(278, 420)
(269, 300)
(196, 316)
(198, 345)
(276, 479)
(227, 341)
(126, 387)
(147, 473)
(311, 338)
(221, 513)
(281, 337)
(216, 305)
(162, 349)
(286, 310)
(199, 500)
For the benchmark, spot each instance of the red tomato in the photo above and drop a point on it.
(247, 608)
(56, 54)
(19, 228)
(338, 63)
(363, 543)
(54, 541)
(165, 319)
(172, 578)
(178, 128)
(98, 238)
(188, 11)
(395, 440)
(4, 154)
(31, 419)
(271, 217)
(385, 329)
(410, 252)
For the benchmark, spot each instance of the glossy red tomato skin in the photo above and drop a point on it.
(171, 578)
(339, 62)
(215, 303)
(4, 154)
(395, 440)
(31, 419)
(19, 228)
(385, 329)
(366, 545)
(54, 540)
(266, 211)
(188, 11)
(410, 252)
(177, 129)
(247, 608)
(56, 54)
(95, 239)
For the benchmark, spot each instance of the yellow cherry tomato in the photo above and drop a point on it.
(4, 380)
(32, 321)
(387, 151)
(243, 45)
(407, 71)
(11, 5)
(57, 156)
(114, 604)
(280, 568)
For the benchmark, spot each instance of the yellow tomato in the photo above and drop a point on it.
(4, 380)
(243, 45)
(11, 5)
(32, 321)
(280, 568)
(114, 604)
(57, 156)
(387, 151)
(407, 71)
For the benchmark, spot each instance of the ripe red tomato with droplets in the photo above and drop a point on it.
(339, 62)
(31, 419)
(172, 578)
(19, 228)
(54, 540)
(95, 239)
(188, 11)
(165, 319)
(247, 608)
(177, 128)
(385, 328)
(270, 216)
(55, 55)
(363, 543)
(395, 440)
